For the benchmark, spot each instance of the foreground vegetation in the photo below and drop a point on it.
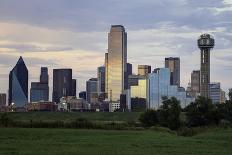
(93, 142)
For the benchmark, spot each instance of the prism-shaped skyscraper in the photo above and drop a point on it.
(18, 84)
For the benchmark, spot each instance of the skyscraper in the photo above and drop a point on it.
(74, 87)
(40, 90)
(144, 69)
(2, 100)
(101, 80)
(44, 75)
(205, 43)
(173, 63)
(18, 84)
(62, 84)
(116, 60)
(215, 92)
(195, 83)
(128, 72)
(91, 90)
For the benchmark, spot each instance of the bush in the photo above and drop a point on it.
(148, 118)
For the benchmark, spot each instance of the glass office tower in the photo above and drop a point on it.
(18, 84)
(116, 61)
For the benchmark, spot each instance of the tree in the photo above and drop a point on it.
(202, 112)
(169, 113)
(230, 94)
(148, 118)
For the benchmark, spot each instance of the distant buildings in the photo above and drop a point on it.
(74, 87)
(195, 83)
(91, 91)
(101, 80)
(205, 43)
(160, 86)
(217, 95)
(116, 61)
(41, 106)
(18, 84)
(40, 90)
(144, 69)
(62, 84)
(173, 63)
(72, 103)
(2, 100)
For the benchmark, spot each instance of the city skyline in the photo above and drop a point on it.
(147, 43)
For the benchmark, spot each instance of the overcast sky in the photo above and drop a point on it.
(73, 34)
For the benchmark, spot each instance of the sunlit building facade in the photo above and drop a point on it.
(116, 61)
(144, 69)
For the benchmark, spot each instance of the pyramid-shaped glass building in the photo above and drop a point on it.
(18, 84)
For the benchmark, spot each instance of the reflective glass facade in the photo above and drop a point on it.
(18, 84)
(159, 86)
(116, 62)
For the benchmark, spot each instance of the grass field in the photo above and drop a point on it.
(66, 116)
(93, 142)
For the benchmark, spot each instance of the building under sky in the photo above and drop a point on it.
(18, 84)
(116, 62)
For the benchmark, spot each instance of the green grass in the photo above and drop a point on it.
(93, 142)
(66, 116)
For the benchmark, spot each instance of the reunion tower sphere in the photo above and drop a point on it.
(205, 43)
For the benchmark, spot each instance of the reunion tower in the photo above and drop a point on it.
(205, 43)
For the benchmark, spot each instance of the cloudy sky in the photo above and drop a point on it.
(73, 34)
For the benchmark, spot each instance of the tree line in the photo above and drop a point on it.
(200, 113)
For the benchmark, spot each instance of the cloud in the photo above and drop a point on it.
(73, 33)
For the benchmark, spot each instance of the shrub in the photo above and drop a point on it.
(148, 118)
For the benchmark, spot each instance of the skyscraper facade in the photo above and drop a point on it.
(205, 43)
(74, 87)
(116, 60)
(91, 90)
(144, 69)
(128, 72)
(101, 80)
(40, 90)
(195, 83)
(2, 100)
(62, 84)
(159, 86)
(18, 84)
(215, 92)
(173, 63)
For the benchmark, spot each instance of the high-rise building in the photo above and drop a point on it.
(144, 69)
(116, 61)
(101, 80)
(139, 94)
(2, 100)
(127, 74)
(74, 87)
(195, 83)
(173, 63)
(91, 91)
(40, 90)
(159, 86)
(205, 43)
(44, 78)
(62, 84)
(18, 84)
(215, 92)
